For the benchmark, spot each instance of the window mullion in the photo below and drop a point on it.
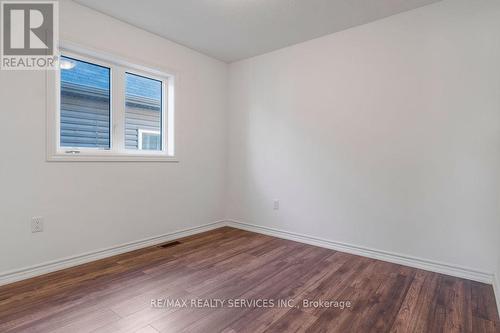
(118, 109)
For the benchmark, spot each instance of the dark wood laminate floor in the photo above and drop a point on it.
(114, 294)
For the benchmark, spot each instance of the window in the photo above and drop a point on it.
(85, 105)
(149, 140)
(143, 113)
(107, 109)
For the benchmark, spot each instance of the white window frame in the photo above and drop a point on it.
(142, 131)
(117, 151)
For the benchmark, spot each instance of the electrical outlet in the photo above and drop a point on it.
(276, 204)
(37, 224)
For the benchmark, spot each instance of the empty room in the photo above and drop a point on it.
(249, 166)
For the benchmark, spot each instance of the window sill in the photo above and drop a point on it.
(61, 157)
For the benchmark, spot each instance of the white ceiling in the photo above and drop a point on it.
(231, 30)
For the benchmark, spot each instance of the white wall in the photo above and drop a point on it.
(87, 206)
(385, 136)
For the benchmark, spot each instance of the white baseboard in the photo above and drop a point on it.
(48, 267)
(496, 290)
(428, 265)
(52, 266)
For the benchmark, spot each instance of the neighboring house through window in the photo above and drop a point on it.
(149, 140)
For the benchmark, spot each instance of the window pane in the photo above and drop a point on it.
(85, 104)
(143, 113)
